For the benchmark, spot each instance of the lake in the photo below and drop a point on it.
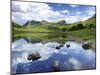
(69, 57)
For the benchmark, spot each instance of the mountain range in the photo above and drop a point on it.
(62, 22)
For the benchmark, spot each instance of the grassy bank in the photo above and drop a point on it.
(84, 34)
(79, 35)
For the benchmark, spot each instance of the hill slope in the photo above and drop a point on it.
(44, 26)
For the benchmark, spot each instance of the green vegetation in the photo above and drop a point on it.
(42, 37)
(77, 27)
(61, 31)
(84, 34)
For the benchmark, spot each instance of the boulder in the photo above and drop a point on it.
(67, 45)
(37, 56)
(29, 57)
(58, 47)
(87, 45)
(34, 56)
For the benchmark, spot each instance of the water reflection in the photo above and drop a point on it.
(42, 37)
(65, 58)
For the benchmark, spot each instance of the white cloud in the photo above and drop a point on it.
(21, 49)
(78, 13)
(65, 11)
(24, 11)
(74, 6)
(75, 63)
(32, 11)
(74, 18)
(91, 11)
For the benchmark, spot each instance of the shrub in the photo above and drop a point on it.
(63, 29)
(80, 26)
(91, 26)
(73, 28)
(77, 27)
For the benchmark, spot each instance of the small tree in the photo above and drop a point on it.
(73, 28)
(63, 36)
(79, 26)
(91, 26)
(64, 29)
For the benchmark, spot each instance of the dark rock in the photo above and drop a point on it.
(58, 47)
(29, 57)
(37, 56)
(56, 65)
(71, 40)
(67, 45)
(34, 57)
(86, 46)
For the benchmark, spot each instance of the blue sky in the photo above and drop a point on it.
(52, 12)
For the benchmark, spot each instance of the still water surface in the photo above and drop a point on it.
(69, 58)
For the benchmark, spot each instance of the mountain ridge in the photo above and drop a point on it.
(62, 22)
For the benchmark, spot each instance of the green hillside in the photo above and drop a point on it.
(47, 31)
(90, 20)
(44, 26)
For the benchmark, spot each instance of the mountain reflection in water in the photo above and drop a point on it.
(67, 58)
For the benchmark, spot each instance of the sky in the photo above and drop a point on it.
(51, 12)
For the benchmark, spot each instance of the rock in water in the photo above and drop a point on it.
(58, 47)
(34, 56)
(29, 57)
(67, 45)
(86, 45)
(37, 56)
(56, 65)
